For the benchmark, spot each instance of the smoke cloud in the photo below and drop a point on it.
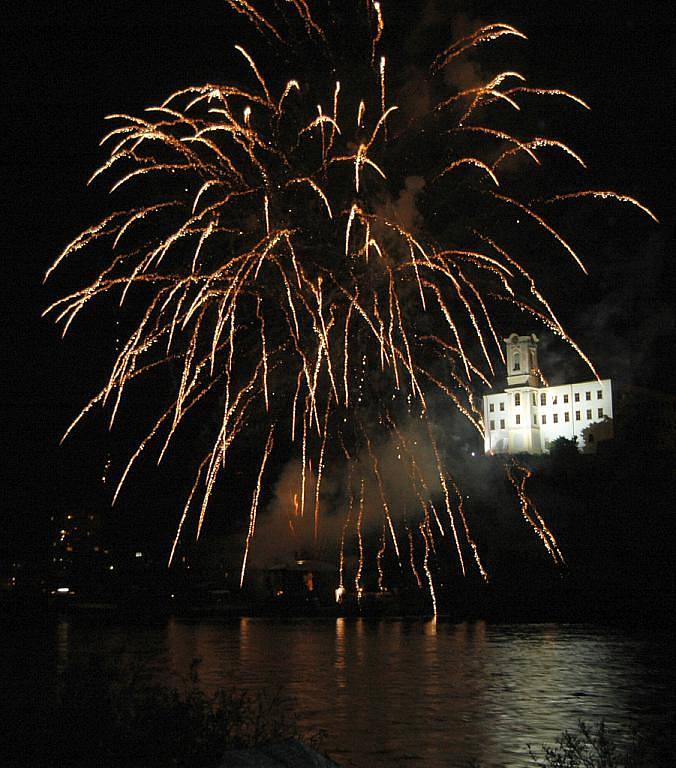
(405, 461)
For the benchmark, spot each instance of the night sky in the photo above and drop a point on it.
(66, 67)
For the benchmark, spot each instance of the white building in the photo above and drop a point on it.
(528, 415)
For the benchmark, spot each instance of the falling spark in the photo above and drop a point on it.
(360, 538)
(379, 560)
(424, 530)
(606, 195)
(412, 559)
(254, 504)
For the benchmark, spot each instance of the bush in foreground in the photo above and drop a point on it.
(96, 715)
(596, 747)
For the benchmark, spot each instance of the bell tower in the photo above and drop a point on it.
(522, 361)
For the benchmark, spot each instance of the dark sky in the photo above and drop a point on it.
(68, 65)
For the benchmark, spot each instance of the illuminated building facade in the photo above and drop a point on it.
(528, 415)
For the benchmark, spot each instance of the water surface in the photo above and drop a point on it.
(398, 692)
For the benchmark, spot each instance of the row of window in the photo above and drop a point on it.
(543, 399)
(555, 418)
(566, 416)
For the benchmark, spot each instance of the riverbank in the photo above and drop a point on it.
(562, 596)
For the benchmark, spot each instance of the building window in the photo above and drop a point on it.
(600, 413)
(556, 418)
(517, 361)
(565, 398)
(502, 406)
(543, 399)
(577, 415)
(535, 420)
(587, 395)
(491, 407)
(502, 423)
(566, 416)
(517, 398)
(492, 425)
(555, 400)
(577, 397)
(534, 400)
(544, 418)
(599, 394)
(589, 414)
(518, 419)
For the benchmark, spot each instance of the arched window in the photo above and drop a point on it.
(517, 361)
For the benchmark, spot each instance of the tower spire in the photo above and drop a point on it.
(522, 361)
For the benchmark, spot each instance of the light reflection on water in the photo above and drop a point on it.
(414, 693)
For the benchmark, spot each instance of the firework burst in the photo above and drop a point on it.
(281, 273)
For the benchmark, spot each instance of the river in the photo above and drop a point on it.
(397, 692)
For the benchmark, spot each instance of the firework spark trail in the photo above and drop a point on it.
(346, 523)
(605, 195)
(485, 34)
(444, 485)
(360, 538)
(293, 516)
(526, 504)
(427, 535)
(383, 498)
(468, 534)
(266, 269)
(320, 469)
(412, 559)
(379, 560)
(417, 477)
(254, 503)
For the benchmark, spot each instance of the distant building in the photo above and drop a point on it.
(303, 581)
(76, 540)
(528, 415)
